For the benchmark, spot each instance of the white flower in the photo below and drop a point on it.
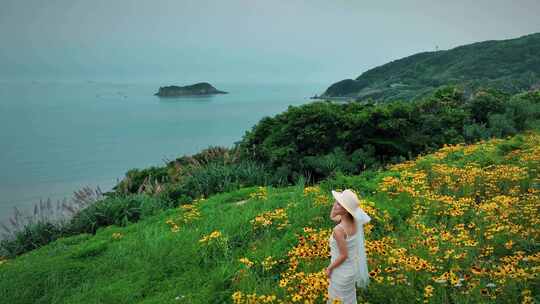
(490, 285)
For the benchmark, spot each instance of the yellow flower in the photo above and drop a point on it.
(268, 218)
(260, 194)
(213, 235)
(378, 279)
(237, 296)
(246, 262)
(117, 235)
(428, 291)
(268, 263)
(296, 298)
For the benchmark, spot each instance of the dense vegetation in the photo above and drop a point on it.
(459, 225)
(510, 65)
(320, 138)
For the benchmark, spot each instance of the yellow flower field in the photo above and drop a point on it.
(472, 233)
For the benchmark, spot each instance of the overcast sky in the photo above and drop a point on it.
(239, 40)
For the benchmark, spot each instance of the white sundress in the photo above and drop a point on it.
(342, 283)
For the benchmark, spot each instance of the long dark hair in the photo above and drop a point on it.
(351, 217)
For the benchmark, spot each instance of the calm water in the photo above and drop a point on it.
(59, 137)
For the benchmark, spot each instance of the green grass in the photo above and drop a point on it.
(153, 264)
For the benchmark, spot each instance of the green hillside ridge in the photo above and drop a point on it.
(202, 252)
(512, 65)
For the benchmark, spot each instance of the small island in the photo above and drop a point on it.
(198, 89)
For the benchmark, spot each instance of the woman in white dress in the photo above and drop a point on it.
(348, 263)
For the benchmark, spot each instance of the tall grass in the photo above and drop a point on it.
(26, 231)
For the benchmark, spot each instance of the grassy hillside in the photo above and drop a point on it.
(460, 225)
(511, 65)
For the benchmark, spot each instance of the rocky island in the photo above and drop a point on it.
(198, 89)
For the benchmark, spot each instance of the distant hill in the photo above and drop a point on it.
(511, 65)
(201, 88)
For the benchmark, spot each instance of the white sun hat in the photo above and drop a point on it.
(348, 199)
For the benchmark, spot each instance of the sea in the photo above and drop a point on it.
(61, 136)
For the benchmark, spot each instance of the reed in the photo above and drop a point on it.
(51, 217)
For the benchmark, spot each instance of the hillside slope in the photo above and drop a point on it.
(512, 65)
(457, 225)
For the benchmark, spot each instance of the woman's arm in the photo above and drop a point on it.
(342, 245)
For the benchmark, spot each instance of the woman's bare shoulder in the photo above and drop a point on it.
(339, 232)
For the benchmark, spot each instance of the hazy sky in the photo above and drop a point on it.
(239, 41)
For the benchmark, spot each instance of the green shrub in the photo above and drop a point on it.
(32, 236)
(321, 138)
(214, 178)
(475, 132)
(501, 125)
(136, 177)
(114, 211)
(363, 184)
